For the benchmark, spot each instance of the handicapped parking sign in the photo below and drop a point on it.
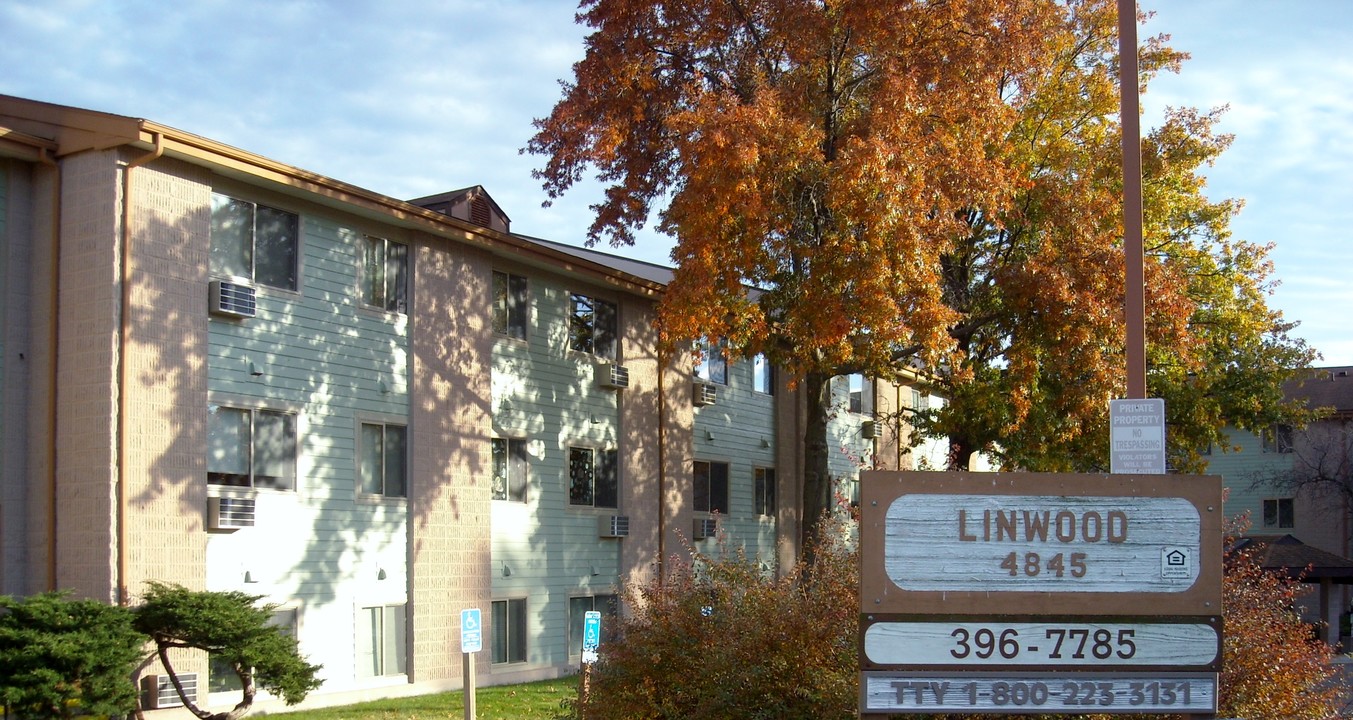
(471, 631)
(591, 635)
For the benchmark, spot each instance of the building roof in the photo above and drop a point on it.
(33, 130)
(638, 268)
(1329, 387)
(1301, 561)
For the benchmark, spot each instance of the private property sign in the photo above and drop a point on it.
(1137, 436)
(1024, 592)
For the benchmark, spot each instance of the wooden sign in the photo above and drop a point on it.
(1016, 693)
(1040, 544)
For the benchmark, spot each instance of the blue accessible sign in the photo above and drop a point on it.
(591, 635)
(471, 631)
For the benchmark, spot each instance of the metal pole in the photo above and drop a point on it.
(1134, 303)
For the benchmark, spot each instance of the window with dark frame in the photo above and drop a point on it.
(1280, 513)
(509, 305)
(254, 241)
(763, 375)
(712, 365)
(856, 388)
(711, 487)
(1277, 438)
(509, 631)
(594, 477)
(384, 463)
(510, 469)
(251, 448)
(763, 492)
(385, 272)
(578, 607)
(593, 326)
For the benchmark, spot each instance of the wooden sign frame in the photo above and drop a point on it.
(880, 595)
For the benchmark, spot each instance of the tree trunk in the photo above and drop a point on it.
(817, 481)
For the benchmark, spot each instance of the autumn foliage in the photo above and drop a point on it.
(720, 637)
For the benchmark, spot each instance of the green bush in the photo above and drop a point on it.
(719, 637)
(234, 627)
(61, 657)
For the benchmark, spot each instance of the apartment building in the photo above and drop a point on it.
(225, 372)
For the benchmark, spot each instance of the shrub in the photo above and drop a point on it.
(61, 657)
(719, 637)
(233, 626)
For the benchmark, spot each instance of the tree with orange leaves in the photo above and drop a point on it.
(919, 183)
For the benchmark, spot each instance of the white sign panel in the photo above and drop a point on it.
(1011, 693)
(1049, 643)
(1040, 543)
(1137, 436)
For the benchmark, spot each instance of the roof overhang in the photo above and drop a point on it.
(33, 125)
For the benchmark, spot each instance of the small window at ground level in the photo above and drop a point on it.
(221, 675)
(381, 641)
(509, 631)
(578, 607)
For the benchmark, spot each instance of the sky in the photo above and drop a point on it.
(415, 97)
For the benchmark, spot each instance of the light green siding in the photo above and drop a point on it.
(545, 549)
(323, 354)
(1241, 463)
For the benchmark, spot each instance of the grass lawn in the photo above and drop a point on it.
(530, 701)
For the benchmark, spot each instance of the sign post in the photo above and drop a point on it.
(471, 642)
(591, 641)
(1039, 593)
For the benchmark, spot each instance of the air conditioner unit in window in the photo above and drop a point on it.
(614, 376)
(157, 691)
(704, 528)
(705, 394)
(613, 526)
(230, 513)
(868, 430)
(231, 298)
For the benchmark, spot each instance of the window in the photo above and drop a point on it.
(251, 448)
(1280, 513)
(221, 675)
(594, 478)
(592, 326)
(381, 641)
(711, 487)
(578, 607)
(763, 494)
(509, 469)
(384, 464)
(509, 305)
(253, 241)
(856, 385)
(763, 375)
(713, 363)
(509, 631)
(1278, 438)
(385, 273)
